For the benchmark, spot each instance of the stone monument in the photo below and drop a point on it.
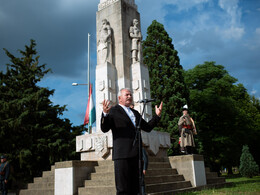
(119, 65)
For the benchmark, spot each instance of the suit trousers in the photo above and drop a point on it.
(127, 176)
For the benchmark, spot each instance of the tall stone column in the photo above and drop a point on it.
(120, 15)
(119, 65)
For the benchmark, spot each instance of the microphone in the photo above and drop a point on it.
(146, 100)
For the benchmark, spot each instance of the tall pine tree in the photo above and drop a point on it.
(166, 78)
(32, 132)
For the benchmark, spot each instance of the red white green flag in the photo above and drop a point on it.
(90, 116)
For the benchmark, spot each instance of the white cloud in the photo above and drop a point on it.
(187, 4)
(253, 92)
(234, 32)
(227, 25)
(157, 11)
(257, 31)
(231, 7)
(233, 29)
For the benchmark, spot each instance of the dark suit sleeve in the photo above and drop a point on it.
(105, 123)
(151, 124)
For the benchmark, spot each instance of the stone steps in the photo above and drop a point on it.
(155, 172)
(150, 188)
(156, 165)
(148, 180)
(41, 185)
(97, 190)
(47, 185)
(37, 192)
(159, 177)
(156, 159)
(161, 187)
(163, 179)
(43, 179)
(110, 166)
(102, 176)
(108, 182)
(171, 192)
(213, 181)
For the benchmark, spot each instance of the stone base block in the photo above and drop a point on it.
(70, 175)
(98, 146)
(191, 167)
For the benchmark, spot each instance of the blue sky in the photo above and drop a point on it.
(224, 31)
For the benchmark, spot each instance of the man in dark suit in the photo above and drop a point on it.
(122, 120)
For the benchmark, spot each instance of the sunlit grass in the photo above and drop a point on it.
(241, 185)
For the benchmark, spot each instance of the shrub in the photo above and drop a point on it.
(248, 167)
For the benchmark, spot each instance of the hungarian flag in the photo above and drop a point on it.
(90, 116)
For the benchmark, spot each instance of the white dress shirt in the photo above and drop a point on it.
(129, 113)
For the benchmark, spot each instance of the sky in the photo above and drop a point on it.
(224, 31)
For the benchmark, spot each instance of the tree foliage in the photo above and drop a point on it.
(248, 167)
(166, 77)
(32, 132)
(225, 114)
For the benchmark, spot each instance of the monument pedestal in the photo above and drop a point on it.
(98, 146)
(70, 175)
(191, 167)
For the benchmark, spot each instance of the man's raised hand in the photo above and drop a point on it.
(158, 111)
(106, 106)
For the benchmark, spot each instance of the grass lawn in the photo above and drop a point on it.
(241, 185)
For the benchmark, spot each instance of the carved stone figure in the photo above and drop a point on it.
(136, 36)
(104, 47)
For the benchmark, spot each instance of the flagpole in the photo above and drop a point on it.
(89, 127)
(88, 65)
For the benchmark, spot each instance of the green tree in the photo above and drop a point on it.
(225, 116)
(248, 167)
(166, 78)
(32, 132)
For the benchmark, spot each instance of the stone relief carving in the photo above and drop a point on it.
(136, 37)
(101, 145)
(101, 85)
(104, 46)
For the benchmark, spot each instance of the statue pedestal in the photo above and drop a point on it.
(70, 175)
(98, 146)
(191, 167)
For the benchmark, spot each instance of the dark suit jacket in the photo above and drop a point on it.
(124, 131)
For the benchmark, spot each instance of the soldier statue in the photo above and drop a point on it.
(136, 37)
(186, 129)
